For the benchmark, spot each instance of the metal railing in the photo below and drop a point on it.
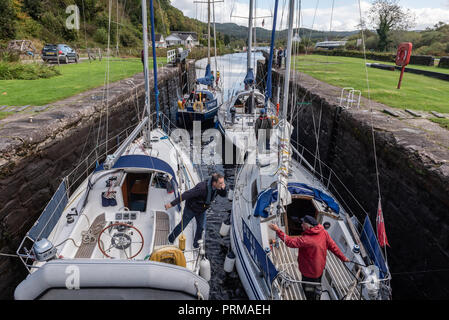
(171, 56)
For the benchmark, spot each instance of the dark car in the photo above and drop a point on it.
(53, 52)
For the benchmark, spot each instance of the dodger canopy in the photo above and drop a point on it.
(270, 195)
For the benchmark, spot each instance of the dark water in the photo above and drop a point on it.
(224, 286)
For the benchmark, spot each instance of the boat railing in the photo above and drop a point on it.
(57, 204)
(97, 155)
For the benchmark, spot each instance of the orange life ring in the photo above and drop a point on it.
(404, 53)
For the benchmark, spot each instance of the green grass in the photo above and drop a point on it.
(4, 114)
(442, 122)
(74, 79)
(415, 66)
(417, 92)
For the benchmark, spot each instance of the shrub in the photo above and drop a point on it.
(444, 63)
(101, 36)
(387, 57)
(31, 71)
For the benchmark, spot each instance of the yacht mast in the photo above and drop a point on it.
(250, 33)
(284, 196)
(145, 55)
(153, 42)
(208, 32)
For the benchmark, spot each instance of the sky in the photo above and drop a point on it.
(316, 14)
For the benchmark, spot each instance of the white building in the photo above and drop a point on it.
(330, 44)
(159, 41)
(186, 39)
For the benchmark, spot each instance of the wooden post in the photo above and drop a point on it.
(400, 77)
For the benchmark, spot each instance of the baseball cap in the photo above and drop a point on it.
(310, 220)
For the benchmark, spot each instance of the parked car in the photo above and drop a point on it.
(53, 52)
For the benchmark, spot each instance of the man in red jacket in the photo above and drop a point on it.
(312, 251)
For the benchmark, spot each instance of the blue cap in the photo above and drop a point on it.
(262, 111)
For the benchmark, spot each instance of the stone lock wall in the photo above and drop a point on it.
(35, 156)
(412, 157)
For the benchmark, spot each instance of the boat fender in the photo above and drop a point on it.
(229, 262)
(224, 229)
(205, 269)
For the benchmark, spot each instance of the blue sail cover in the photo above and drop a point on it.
(249, 78)
(208, 79)
(270, 195)
(141, 161)
(369, 240)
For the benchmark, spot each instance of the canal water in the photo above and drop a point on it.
(224, 285)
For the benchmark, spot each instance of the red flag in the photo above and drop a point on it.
(381, 234)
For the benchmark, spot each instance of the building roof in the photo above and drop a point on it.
(194, 35)
(158, 37)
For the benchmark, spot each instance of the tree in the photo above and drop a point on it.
(7, 20)
(387, 15)
(227, 39)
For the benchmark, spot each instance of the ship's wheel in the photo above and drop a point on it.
(122, 238)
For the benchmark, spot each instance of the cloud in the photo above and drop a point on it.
(344, 17)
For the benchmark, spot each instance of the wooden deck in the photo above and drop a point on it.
(87, 248)
(285, 260)
(162, 229)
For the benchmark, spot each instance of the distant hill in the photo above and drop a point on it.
(236, 31)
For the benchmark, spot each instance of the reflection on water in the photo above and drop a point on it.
(232, 68)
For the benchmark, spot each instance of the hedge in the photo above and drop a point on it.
(377, 56)
(444, 63)
(423, 60)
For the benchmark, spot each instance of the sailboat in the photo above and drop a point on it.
(108, 239)
(283, 191)
(202, 103)
(237, 117)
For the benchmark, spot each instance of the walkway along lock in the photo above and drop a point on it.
(403, 58)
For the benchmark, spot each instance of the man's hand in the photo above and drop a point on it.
(168, 206)
(273, 227)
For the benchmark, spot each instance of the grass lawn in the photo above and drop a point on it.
(442, 122)
(417, 91)
(75, 79)
(4, 114)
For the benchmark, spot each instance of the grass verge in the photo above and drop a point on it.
(417, 92)
(74, 79)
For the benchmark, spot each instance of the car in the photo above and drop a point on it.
(61, 52)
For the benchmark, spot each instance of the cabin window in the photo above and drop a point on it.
(254, 192)
(300, 207)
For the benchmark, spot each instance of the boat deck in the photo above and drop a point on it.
(285, 260)
(90, 238)
(162, 229)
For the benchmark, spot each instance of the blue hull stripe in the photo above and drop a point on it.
(239, 253)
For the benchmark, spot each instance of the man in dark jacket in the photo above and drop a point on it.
(198, 200)
(264, 123)
(312, 251)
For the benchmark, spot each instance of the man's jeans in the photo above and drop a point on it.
(186, 217)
